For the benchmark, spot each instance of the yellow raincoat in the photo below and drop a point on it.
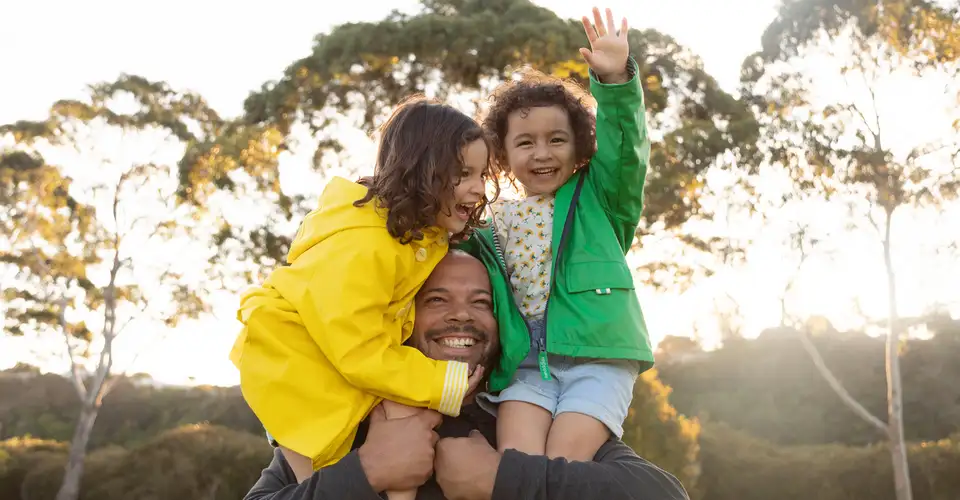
(322, 338)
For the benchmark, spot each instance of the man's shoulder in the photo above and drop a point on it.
(615, 450)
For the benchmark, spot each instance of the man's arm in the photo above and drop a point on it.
(616, 474)
(396, 455)
(344, 479)
(469, 468)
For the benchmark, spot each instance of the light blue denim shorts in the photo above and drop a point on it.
(600, 388)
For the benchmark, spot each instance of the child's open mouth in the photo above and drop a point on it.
(545, 172)
(465, 210)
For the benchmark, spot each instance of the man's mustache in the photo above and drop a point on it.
(469, 330)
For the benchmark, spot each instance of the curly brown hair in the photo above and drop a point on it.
(419, 163)
(535, 89)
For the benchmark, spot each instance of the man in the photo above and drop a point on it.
(455, 320)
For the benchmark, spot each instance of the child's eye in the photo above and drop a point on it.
(524, 144)
(558, 140)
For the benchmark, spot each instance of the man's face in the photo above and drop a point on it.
(454, 314)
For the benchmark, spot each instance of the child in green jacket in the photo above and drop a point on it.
(566, 385)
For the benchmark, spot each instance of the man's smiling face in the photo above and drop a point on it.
(454, 313)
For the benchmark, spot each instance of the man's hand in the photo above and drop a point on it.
(466, 468)
(609, 50)
(398, 454)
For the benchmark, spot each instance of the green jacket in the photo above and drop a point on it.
(593, 310)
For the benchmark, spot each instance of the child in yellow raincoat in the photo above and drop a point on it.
(322, 342)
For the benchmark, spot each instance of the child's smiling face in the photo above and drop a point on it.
(540, 148)
(469, 190)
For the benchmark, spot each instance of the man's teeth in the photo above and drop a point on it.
(458, 342)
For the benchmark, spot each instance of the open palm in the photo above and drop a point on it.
(608, 50)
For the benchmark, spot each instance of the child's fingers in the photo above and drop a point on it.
(474, 381)
(623, 28)
(588, 29)
(612, 28)
(598, 22)
(587, 55)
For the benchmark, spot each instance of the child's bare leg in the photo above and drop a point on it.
(396, 410)
(576, 437)
(301, 466)
(523, 427)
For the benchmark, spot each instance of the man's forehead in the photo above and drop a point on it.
(458, 272)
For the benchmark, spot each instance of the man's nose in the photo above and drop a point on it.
(459, 315)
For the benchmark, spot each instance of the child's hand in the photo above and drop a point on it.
(608, 52)
(475, 378)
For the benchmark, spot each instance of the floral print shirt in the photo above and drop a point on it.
(524, 228)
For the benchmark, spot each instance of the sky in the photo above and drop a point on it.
(223, 50)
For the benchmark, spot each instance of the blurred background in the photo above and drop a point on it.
(798, 261)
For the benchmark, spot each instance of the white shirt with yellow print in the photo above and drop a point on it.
(524, 228)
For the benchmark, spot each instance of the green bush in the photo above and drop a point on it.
(740, 467)
(191, 462)
(658, 433)
(21, 458)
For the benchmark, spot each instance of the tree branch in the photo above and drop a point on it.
(837, 387)
(75, 377)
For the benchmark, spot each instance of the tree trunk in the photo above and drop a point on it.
(73, 472)
(898, 449)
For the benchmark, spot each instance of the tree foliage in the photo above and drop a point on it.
(459, 49)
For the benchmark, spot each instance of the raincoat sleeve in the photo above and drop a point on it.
(345, 310)
(619, 168)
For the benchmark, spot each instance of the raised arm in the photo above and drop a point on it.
(619, 168)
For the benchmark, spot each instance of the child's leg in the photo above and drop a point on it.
(526, 409)
(396, 410)
(301, 466)
(595, 396)
(576, 437)
(523, 427)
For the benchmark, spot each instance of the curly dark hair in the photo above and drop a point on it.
(535, 89)
(419, 163)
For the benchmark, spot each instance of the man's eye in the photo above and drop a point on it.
(484, 303)
(433, 300)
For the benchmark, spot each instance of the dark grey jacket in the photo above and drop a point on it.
(616, 473)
